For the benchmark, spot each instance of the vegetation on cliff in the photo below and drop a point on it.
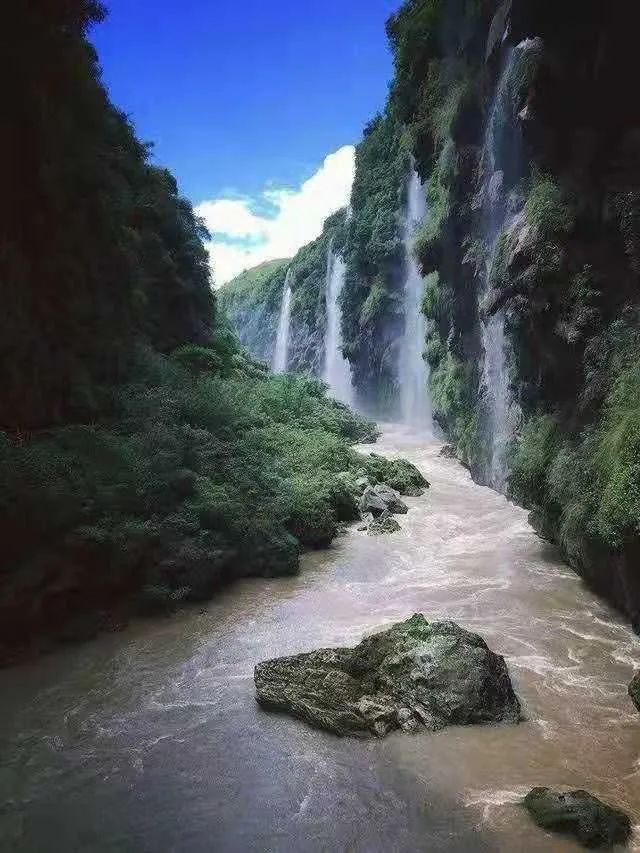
(372, 304)
(514, 115)
(565, 268)
(252, 300)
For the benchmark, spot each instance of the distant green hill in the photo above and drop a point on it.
(251, 302)
(254, 283)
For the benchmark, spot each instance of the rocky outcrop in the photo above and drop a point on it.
(634, 690)
(415, 675)
(578, 813)
(400, 474)
(376, 499)
(448, 451)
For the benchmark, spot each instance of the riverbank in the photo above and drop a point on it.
(152, 739)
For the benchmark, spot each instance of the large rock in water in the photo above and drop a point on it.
(634, 690)
(592, 822)
(376, 499)
(414, 675)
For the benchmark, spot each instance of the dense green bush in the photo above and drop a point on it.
(547, 207)
(454, 404)
(536, 448)
(200, 475)
(588, 487)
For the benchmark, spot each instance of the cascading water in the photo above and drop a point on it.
(415, 399)
(281, 352)
(503, 162)
(337, 371)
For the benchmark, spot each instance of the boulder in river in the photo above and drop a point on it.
(592, 822)
(391, 498)
(634, 690)
(380, 498)
(372, 503)
(401, 475)
(414, 675)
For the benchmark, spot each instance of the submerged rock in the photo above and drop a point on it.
(592, 822)
(414, 675)
(634, 690)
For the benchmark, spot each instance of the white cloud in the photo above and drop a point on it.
(243, 238)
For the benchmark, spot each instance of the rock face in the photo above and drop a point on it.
(448, 451)
(592, 822)
(414, 675)
(634, 690)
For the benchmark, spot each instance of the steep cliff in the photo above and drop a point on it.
(145, 458)
(520, 123)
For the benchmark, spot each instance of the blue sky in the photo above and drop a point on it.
(245, 100)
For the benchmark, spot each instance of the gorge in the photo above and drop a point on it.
(513, 118)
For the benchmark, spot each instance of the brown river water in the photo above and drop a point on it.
(151, 740)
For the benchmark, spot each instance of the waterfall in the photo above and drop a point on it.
(281, 352)
(415, 399)
(503, 161)
(337, 371)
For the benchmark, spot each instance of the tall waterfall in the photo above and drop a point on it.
(503, 161)
(415, 398)
(281, 352)
(337, 371)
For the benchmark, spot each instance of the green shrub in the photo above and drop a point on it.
(431, 296)
(617, 461)
(535, 450)
(453, 397)
(548, 209)
(197, 478)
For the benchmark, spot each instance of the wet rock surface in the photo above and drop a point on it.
(634, 690)
(578, 813)
(380, 498)
(415, 675)
(448, 451)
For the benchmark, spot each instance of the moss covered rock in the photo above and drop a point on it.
(578, 813)
(412, 676)
(400, 474)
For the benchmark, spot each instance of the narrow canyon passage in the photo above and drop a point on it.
(151, 740)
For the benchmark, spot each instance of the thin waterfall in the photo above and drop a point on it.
(337, 371)
(281, 352)
(415, 397)
(503, 160)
